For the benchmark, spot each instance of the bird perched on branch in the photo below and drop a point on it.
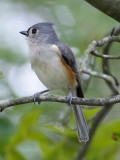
(55, 66)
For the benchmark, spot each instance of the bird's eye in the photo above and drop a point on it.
(34, 31)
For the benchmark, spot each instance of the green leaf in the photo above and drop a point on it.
(6, 131)
(104, 142)
(66, 132)
(26, 125)
(14, 155)
(63, 149)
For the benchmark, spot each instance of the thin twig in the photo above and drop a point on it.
(96, 53)
(99, 75)
(101, 43)
(105, 77)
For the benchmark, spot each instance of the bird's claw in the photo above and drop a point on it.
(69, 98)
(36, 96)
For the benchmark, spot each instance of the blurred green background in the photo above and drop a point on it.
(47, 131)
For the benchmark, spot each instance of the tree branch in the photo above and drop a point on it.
(100, 43)
(99, 75)
(109, 7)
(106, 71)
(103, 76)
(92, 49)
(105, 62)
(53, 98)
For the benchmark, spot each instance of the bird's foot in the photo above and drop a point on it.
(36, 96)
(69, 98)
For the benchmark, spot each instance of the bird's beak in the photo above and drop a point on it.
(24, 33)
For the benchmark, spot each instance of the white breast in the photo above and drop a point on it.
(49, 69)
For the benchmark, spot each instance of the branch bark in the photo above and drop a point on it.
(109, 7)
(53, 98)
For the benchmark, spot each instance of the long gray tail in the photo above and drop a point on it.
(82, 128)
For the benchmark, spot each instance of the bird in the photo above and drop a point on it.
(55, 66)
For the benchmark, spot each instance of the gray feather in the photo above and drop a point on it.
(82, 129)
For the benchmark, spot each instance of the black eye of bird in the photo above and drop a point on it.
(34, 31)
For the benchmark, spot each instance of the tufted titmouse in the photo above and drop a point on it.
(55, 66)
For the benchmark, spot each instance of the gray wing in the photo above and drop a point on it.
(69, 58)
(82, 129)
(67, 55)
